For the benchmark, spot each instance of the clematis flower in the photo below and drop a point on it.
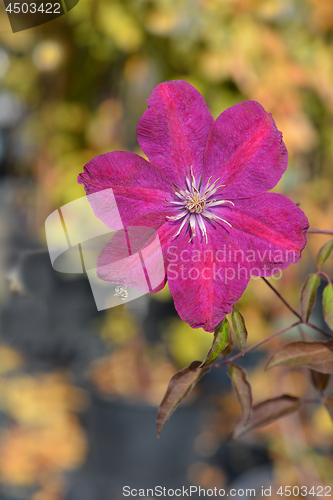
(204, 190)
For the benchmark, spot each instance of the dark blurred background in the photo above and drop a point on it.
(80, 388)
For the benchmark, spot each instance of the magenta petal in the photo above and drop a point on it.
(174, 129)
(133, 257)
(270, 229)
(205, 280)
(139, 188)
(246, 151)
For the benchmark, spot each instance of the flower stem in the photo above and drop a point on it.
(300, 322)
(310, 401)
(321, 231)
(311, 325)
(282, 299)
(230, 360)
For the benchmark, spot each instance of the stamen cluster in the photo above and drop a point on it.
(195, 203)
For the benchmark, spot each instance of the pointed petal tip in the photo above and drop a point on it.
(173, 130)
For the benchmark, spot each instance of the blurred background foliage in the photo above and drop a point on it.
(74, 88)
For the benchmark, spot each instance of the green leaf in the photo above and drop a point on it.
(179, 387)
(308, 295)
(315, 355)
(319, 380)
(324, 253)
(266, 412)
(242, 389)
(238, 323)
(220, 342)
(328, 305)
(229, 347)
(328, 402)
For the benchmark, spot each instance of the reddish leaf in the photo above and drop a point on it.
(328, 402)
(220, 342)
(266, 412)
(324, 253)
(242, 389)
(328, 305)
(308, 295)
(179, 387)
(315, 355)
(238, 322)
(319, 380)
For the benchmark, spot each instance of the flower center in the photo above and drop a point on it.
(194, 205)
